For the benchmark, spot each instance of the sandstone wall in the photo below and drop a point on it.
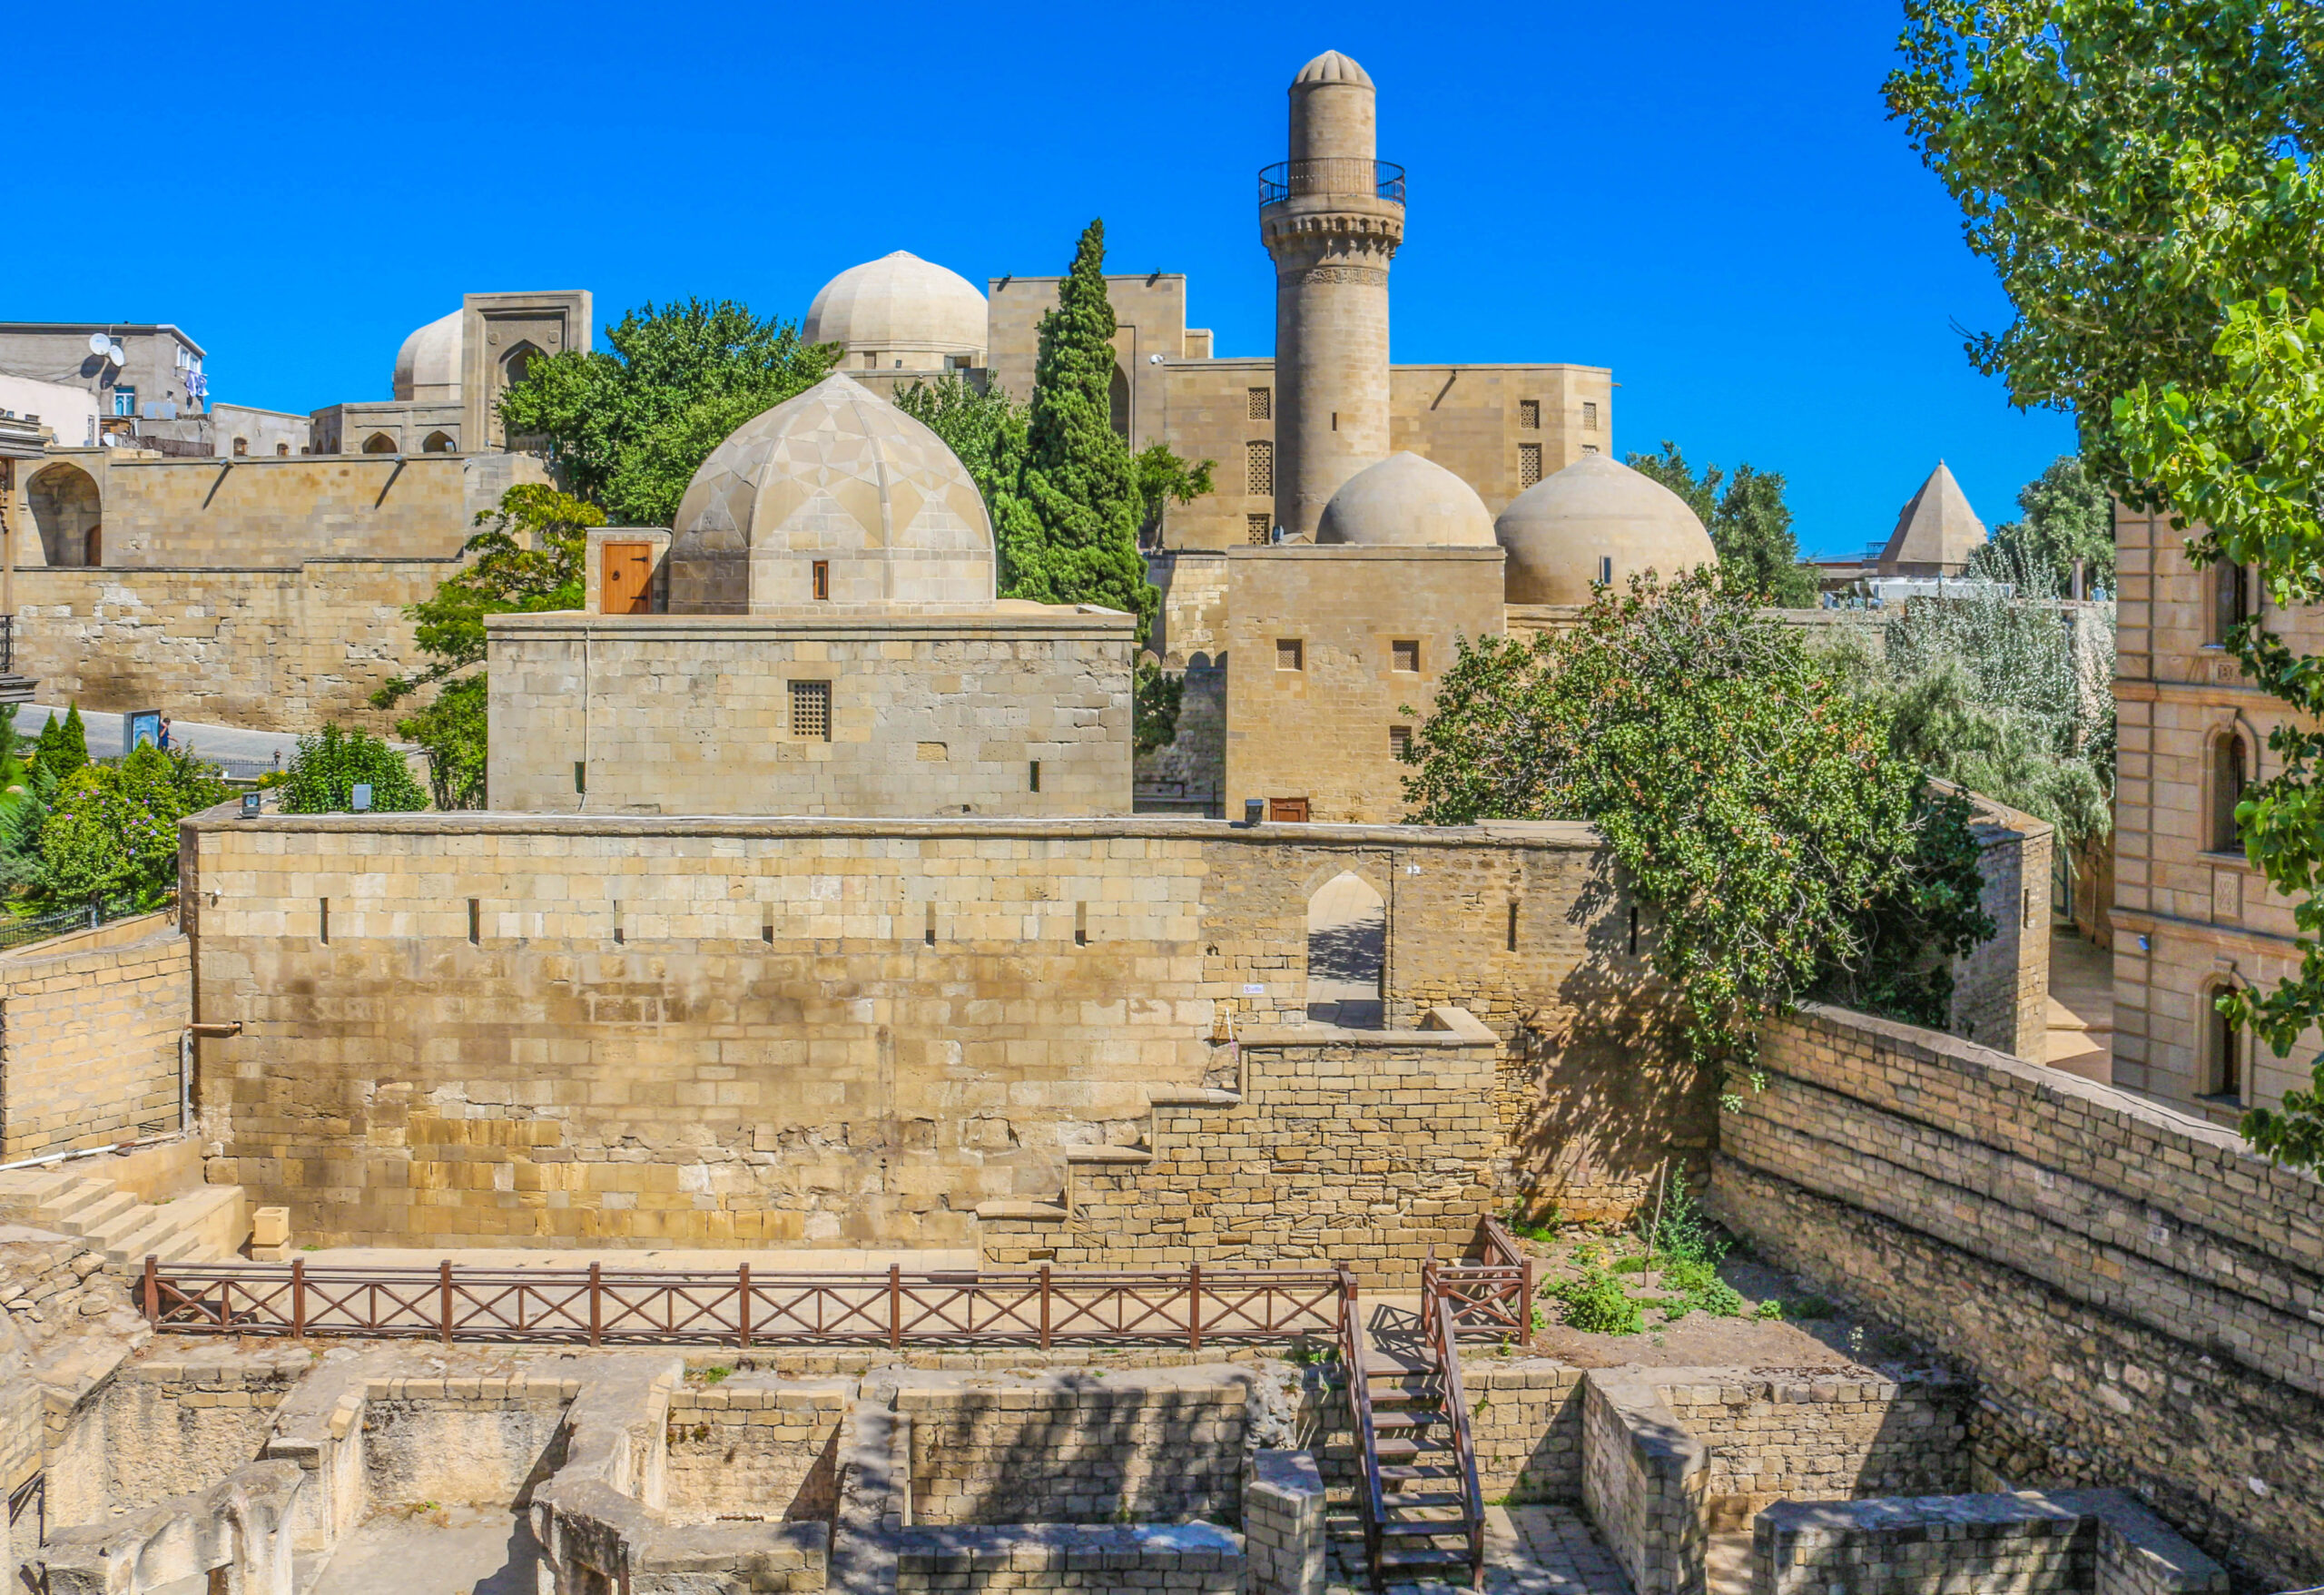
(847, 1032)
(273, 649)
(1024, 709)
(754, 1446)
(2137, 1295)
(89, 1029)
(2001, 993)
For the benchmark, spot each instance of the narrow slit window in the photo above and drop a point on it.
(1080, 924)
(1036, 775)
(618, 937)
(766, 932)
(1605, 570)
(476, 922)
(322, 919)
(580, 776)
(810, 711)
(1513, 926)
(927, 923)
(822, 580)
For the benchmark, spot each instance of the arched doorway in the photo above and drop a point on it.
(66, 512)
(380, 443)
(1117, 403)
(437, 443)
(1347, 953)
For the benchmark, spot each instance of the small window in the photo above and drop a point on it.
(1528, 464)
(2229, 778)
(1605, 570)
(2231, 599)
(1405, 655)
(124, 402)
(2224, 1047)
(810, 711)
(1036, 774)
(1258, 529)
(476, 922)
(1589, 416)
(1400, 741)
(1258, 466)
(1290, 654)
(282, 451)
(1590, 448)
(1529, 415)
(241, 446)
(1261, 404)
(822, 580)
(322, 919)
(1513, 926)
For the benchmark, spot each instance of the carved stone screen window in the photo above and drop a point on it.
(1261, 404)
(1529, 415)
(1405, 655)
(1400, 741)
(810, 711)
(1528, 464)
(1589, 415)
(1258, 466)
(1258, 529)
(1290, 654)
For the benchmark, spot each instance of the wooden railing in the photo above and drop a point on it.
(1354, 1351)
(603, 1307)
(1440, 1317)
(1492, 1294)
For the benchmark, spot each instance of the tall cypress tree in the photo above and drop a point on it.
(1068, 534)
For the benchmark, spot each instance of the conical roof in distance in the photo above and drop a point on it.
(1936, 531)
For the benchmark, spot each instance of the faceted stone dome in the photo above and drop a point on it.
(836, 477)
(427, 366)
(1596, 520)
(900, 306)
(1406, 502)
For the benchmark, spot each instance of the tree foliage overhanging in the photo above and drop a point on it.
(1750, 523)
(626, 426)
(2143, 179)
(1752, 799)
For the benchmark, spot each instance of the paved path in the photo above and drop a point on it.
(243, 753)
(2081, 1039)
(1529, 1551)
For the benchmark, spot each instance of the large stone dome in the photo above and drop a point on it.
(836, 476)
(899, 309)
(1406, 502)
(427, 366)
(1596, 520)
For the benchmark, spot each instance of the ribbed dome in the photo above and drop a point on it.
(1558, 532)
(1332, 67)
(899, 305)
(836, 475)
(1406, 502)
(427, 366)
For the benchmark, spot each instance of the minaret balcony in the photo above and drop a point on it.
(1331, 177)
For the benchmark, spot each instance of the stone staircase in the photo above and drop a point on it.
(204, 1224)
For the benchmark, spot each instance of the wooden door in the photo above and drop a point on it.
(1294, 810)
(626, 581)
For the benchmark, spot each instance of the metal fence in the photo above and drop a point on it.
(23, 932)
(603, 1307)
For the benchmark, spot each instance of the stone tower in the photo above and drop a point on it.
(1332, 216)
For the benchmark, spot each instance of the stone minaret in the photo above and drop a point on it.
(1332, 216)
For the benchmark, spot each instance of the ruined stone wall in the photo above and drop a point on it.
(753, 1446)
(272, 649)
(1024, 709)
(165, 1427)
(708, 1032)
(2001, 991)
(1368, 1149)
(1819, 1438)
(1152, 1445)
(458, 1440)
(89, 1029)
(2135, 1293)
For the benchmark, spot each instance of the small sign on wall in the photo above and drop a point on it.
(141, 727)
(1255, 991)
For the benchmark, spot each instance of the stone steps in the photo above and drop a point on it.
(186, 1228)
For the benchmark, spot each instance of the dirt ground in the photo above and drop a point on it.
(1812, 1334)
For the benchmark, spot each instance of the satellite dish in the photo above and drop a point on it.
(112, 353)
(99, 343)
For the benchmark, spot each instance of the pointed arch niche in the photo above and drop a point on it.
(1347, 953)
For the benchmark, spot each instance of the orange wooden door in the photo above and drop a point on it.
(1291, 809)
(625, 583)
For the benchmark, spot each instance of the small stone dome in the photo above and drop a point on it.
(1406, 502)
(840, 476)
(1563, 532)
(899, 305)
(427, 366)
(1332, 67)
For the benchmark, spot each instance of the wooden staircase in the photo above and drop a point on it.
(1424, 1513)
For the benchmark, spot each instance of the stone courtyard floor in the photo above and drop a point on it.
(1529, 1551)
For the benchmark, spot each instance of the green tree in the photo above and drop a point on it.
(1164, 479)
(114, 829)
(63, 746)
(2143, 180)
(528, 559)
(627, 426)
(322, 775)
(986, 430)
(2068, 517)
(1068, 532)
(1749, 795)
(1749, 524)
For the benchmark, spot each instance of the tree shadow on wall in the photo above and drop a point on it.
(1608, 1097)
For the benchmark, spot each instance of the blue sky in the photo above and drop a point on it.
(1707, 198)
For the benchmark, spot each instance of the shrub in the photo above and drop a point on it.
(322, 775)
(1596, 1304)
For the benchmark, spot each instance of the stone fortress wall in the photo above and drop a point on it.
(89, 1029)
(2137, 1295)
